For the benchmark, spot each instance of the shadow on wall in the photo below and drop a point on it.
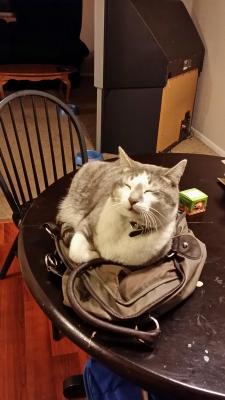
(204, 89)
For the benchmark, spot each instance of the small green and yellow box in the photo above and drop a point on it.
(192, 201)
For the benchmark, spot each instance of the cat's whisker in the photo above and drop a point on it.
(153, 209)
(154, 222)
(149, 217)
(143, 218)
(150, 223)
(156, 217)
(157, 222)
(146, 220)
(153, 218)
(143, 215)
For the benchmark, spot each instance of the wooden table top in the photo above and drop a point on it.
(35, 69)
(189, 359)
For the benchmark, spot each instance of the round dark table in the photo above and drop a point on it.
(189, 359)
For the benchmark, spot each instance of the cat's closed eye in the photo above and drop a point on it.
(151, 191)
(128, 186)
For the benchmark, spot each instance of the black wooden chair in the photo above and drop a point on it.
(39, 137)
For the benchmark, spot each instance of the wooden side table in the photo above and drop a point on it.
(35, 72)
(7, 16)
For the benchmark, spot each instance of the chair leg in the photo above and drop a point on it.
(56, 333)
(9, 259)
(73, 387)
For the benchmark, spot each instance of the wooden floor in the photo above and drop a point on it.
(32, 365)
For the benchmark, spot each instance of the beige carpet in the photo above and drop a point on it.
(85, 97)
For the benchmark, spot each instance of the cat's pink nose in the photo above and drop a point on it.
(132, 200)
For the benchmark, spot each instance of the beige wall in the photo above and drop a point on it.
(209, 114)
(188, 4)
(87, 34)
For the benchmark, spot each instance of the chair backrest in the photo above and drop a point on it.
(39, 138)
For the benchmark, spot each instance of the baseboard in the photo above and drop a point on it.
(208, 142)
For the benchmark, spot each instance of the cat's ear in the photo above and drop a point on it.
(125, 161)
(176, 172)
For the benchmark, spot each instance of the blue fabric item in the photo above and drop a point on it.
(103, 384)
(93, 155)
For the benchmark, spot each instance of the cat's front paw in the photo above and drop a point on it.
(80, 250)
(84, 257)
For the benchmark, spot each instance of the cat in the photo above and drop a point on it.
(123, 211)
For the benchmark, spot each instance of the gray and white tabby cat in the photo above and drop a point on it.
(123, 211)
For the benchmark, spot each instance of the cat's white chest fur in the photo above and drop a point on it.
(113, 242)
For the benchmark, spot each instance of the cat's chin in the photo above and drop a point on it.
(132, 215)
(135, 209)
(134, 212)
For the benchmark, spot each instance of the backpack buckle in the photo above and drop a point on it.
(54, 265)
(172, 254)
